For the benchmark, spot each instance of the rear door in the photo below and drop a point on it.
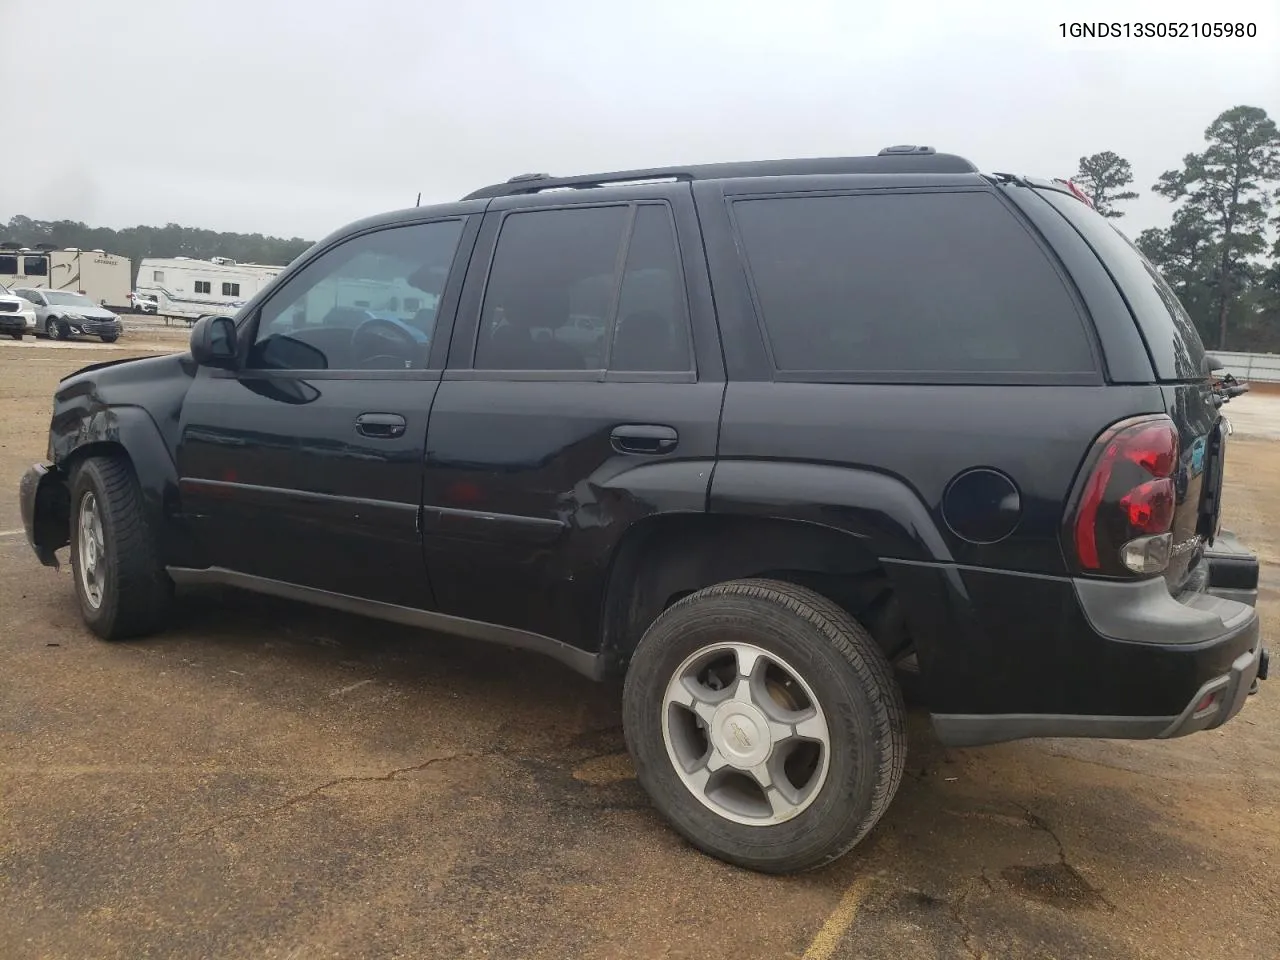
(1178, 358)
(582, 398)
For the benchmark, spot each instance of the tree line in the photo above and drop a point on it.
(171, 240)
(1219, 253)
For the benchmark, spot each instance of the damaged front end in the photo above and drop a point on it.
(46, 508)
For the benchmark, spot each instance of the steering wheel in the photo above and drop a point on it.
(378, 344)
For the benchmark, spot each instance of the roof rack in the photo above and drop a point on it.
(906, 158)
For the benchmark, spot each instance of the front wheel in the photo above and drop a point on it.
(16, 336)
(121, 585)
(57, 330)
(765, 723)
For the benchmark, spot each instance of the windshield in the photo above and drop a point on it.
(62, 298)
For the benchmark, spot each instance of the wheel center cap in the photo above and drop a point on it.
(741, 734)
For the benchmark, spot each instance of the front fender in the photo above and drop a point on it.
(83, 428)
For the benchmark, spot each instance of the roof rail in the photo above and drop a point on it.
(899, 159)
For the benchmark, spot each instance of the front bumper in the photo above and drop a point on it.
(12, 323)
(45, 504)
(96, 328)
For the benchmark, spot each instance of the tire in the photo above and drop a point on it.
(853, 690)
(110, 337)
(55, 329)
(16, 336)
(133, 591)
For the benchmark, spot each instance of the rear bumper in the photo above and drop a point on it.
(1140, 663)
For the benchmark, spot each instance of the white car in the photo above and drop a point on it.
(17, 316)
(143, 302)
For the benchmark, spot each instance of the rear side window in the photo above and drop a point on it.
(897, 286)
(1172, 340)
(652, 331)
(555, 299)
(546, 306)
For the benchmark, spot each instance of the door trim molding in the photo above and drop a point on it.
(582, 661)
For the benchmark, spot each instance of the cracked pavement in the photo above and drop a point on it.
(271, 781)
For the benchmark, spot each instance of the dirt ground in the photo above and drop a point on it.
(269, 781)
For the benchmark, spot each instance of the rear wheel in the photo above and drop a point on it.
(765, 723)
(121, 585)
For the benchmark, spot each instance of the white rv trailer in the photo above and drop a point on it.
(184, 287)
(99, 276)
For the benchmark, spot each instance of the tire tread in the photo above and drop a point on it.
(875, 677)
(142, 588)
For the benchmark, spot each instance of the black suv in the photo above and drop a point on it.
(766, 438)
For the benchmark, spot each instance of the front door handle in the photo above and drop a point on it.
(644, 438)
(380, 426)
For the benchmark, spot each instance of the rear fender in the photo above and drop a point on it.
(879, 510)
(891, 523)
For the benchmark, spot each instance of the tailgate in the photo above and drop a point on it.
(1198, 481)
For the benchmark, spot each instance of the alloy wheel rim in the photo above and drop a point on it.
(746, 734)
(92, 559)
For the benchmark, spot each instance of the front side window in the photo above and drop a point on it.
(35, 266)
(203, 286)
(367, 304)
(897, 285)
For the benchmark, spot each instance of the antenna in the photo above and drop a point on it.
(418, 202)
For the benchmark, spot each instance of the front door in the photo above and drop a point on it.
(582, 398)
(305, 465)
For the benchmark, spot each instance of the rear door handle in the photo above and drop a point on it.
(380, 426)
(644, 438)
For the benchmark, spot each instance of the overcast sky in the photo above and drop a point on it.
(292, 117)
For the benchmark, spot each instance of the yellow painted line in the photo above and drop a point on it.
(840, 920)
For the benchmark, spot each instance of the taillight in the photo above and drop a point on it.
(1123, 519)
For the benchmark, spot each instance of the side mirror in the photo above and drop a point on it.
(213, 342)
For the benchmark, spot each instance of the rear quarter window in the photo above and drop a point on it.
(1176, 350)
(927, 286)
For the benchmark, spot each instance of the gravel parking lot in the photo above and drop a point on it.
(269, 781)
